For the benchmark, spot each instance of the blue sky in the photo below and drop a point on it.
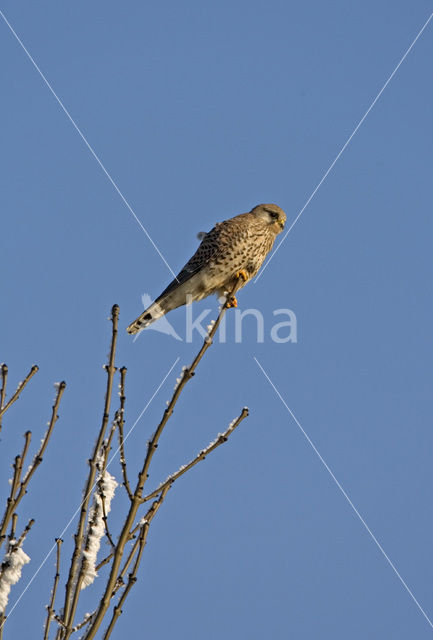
(199, 111)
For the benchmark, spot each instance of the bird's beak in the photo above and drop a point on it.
(281, 224)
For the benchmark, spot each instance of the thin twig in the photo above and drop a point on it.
(14, 522)
(120, 582)
(16, 480)
(59, 621)
(132, 579)
(147, 519)
(73, 585)
(18, 493)
(83, 623)
(10, 501)
(50, 608)
(44, 443)
(120, 422)
(27, 440)
(104, 515)
(22, 537)
(4, 373)
(107, 558)
(106, 446)
(142, 477)
(139, 548)
(117, 556)
(14, 486)
(221, 438)
(105, 561)
(18, 390)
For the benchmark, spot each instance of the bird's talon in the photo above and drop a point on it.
(232, 303)
(242, 274)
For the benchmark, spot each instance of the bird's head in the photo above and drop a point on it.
(272, 215)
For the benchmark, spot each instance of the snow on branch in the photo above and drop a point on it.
(10, 571)
(101, 506)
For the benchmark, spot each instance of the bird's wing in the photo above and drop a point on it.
(213, 244)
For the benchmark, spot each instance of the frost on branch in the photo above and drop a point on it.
(179, 379)
(106, 486)
(12, 564)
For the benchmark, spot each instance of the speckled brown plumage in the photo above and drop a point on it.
(238, 244)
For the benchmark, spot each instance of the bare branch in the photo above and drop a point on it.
(132, 579)
(4, 373)
(146, 520)
(50, 608)
(22, 537)
(83, 623)
(104, 516)
(105, 561)
(220, 439)
(14, 523)
(18, 390)
(106, 448)
(120, 581)
(59, 621)
(18, 492)
(61, 386)
(12, 501)
(73, 586)
(137, 549)
(27, 440)
(120, 422)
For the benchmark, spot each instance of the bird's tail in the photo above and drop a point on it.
(148, 316)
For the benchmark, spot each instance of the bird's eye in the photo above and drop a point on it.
(274, 215)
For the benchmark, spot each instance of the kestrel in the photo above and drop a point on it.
(235, 248)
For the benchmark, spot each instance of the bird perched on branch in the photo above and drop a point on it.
(233, 249)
